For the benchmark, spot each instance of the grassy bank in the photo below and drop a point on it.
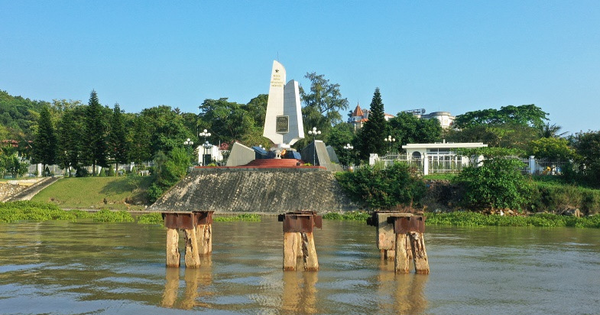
(11, 212)
(117, 193)
(465, 218)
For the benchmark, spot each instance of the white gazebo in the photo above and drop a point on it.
(440, 156)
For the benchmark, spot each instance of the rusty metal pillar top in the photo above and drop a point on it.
(301, 221)
(186, 219)
(407, 224)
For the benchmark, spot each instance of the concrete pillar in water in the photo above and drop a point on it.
(298, 239)
(408, 241)
(402, 259)
(173, 255)
(197, 226)
(309, 252)
(192, 253)
(204, 236)
(419, 253)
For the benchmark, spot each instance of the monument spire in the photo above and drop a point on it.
(283, 120)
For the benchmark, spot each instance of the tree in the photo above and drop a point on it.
(168, 171)
(322, 105)
(140, 140)
(376, 188)
(117, 139)
(96, 128)
(45, 144)
(372, 133)
(340, 136)
(230, 121)
(551, 131)
(166, 127)
(496, 183)
(70, 137)
(407, 128)
(587, 146)
(526, 115)
(555, 149)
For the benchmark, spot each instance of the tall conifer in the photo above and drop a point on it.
(374, 130)
(95, 132)
(117, 139)
(45, 144)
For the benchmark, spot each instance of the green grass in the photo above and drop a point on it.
(347, 216)
(39, 211)
(151, 218)
(474, 219)
(116, 193)
(248, 217)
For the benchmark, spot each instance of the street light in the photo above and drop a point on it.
(389, 139)
(314, 132)
(188, 143)
(205, 134)
(348, 147)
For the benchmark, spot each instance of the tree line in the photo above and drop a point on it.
(73, 135)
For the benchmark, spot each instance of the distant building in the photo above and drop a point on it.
(445, 118)
(360, 116)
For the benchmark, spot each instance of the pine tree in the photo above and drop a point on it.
(117, 139)
(70, 138)
(45, 144)
(95, 134)
(374, 130)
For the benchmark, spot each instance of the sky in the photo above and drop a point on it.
(455, 56)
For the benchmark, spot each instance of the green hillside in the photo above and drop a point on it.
(119, 193)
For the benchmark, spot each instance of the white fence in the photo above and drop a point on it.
(444, 164)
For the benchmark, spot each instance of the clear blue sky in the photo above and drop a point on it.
(455, 56)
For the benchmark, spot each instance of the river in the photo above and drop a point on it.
(84, 267)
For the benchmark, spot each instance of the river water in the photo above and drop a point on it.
(97, 268)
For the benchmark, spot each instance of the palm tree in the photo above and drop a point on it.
(551, 131)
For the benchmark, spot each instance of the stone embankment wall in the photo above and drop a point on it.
(8, 190)
(256, 190)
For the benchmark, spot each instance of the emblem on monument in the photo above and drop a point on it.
(283, 124)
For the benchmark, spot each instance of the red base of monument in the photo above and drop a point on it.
(269, 163)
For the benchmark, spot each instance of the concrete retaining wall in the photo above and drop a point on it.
(256, 190)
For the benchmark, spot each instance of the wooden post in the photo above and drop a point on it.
(173, 256)
(192, 255)
(309, 252)
(419, 253)
(386, 239)
(401, 262)
(290, 250)
(298, 240)
(204, 236)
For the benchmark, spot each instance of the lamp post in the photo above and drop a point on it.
(188, 143)
(389, 140)
(314, 132)
(348, 147)
(205, 134)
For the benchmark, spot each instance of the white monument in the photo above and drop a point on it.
(283, 120)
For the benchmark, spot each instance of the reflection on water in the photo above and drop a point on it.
(85, 267)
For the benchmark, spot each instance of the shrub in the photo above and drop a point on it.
(497, 183)
(383, 188)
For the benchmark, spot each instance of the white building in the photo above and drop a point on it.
(439, 157)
